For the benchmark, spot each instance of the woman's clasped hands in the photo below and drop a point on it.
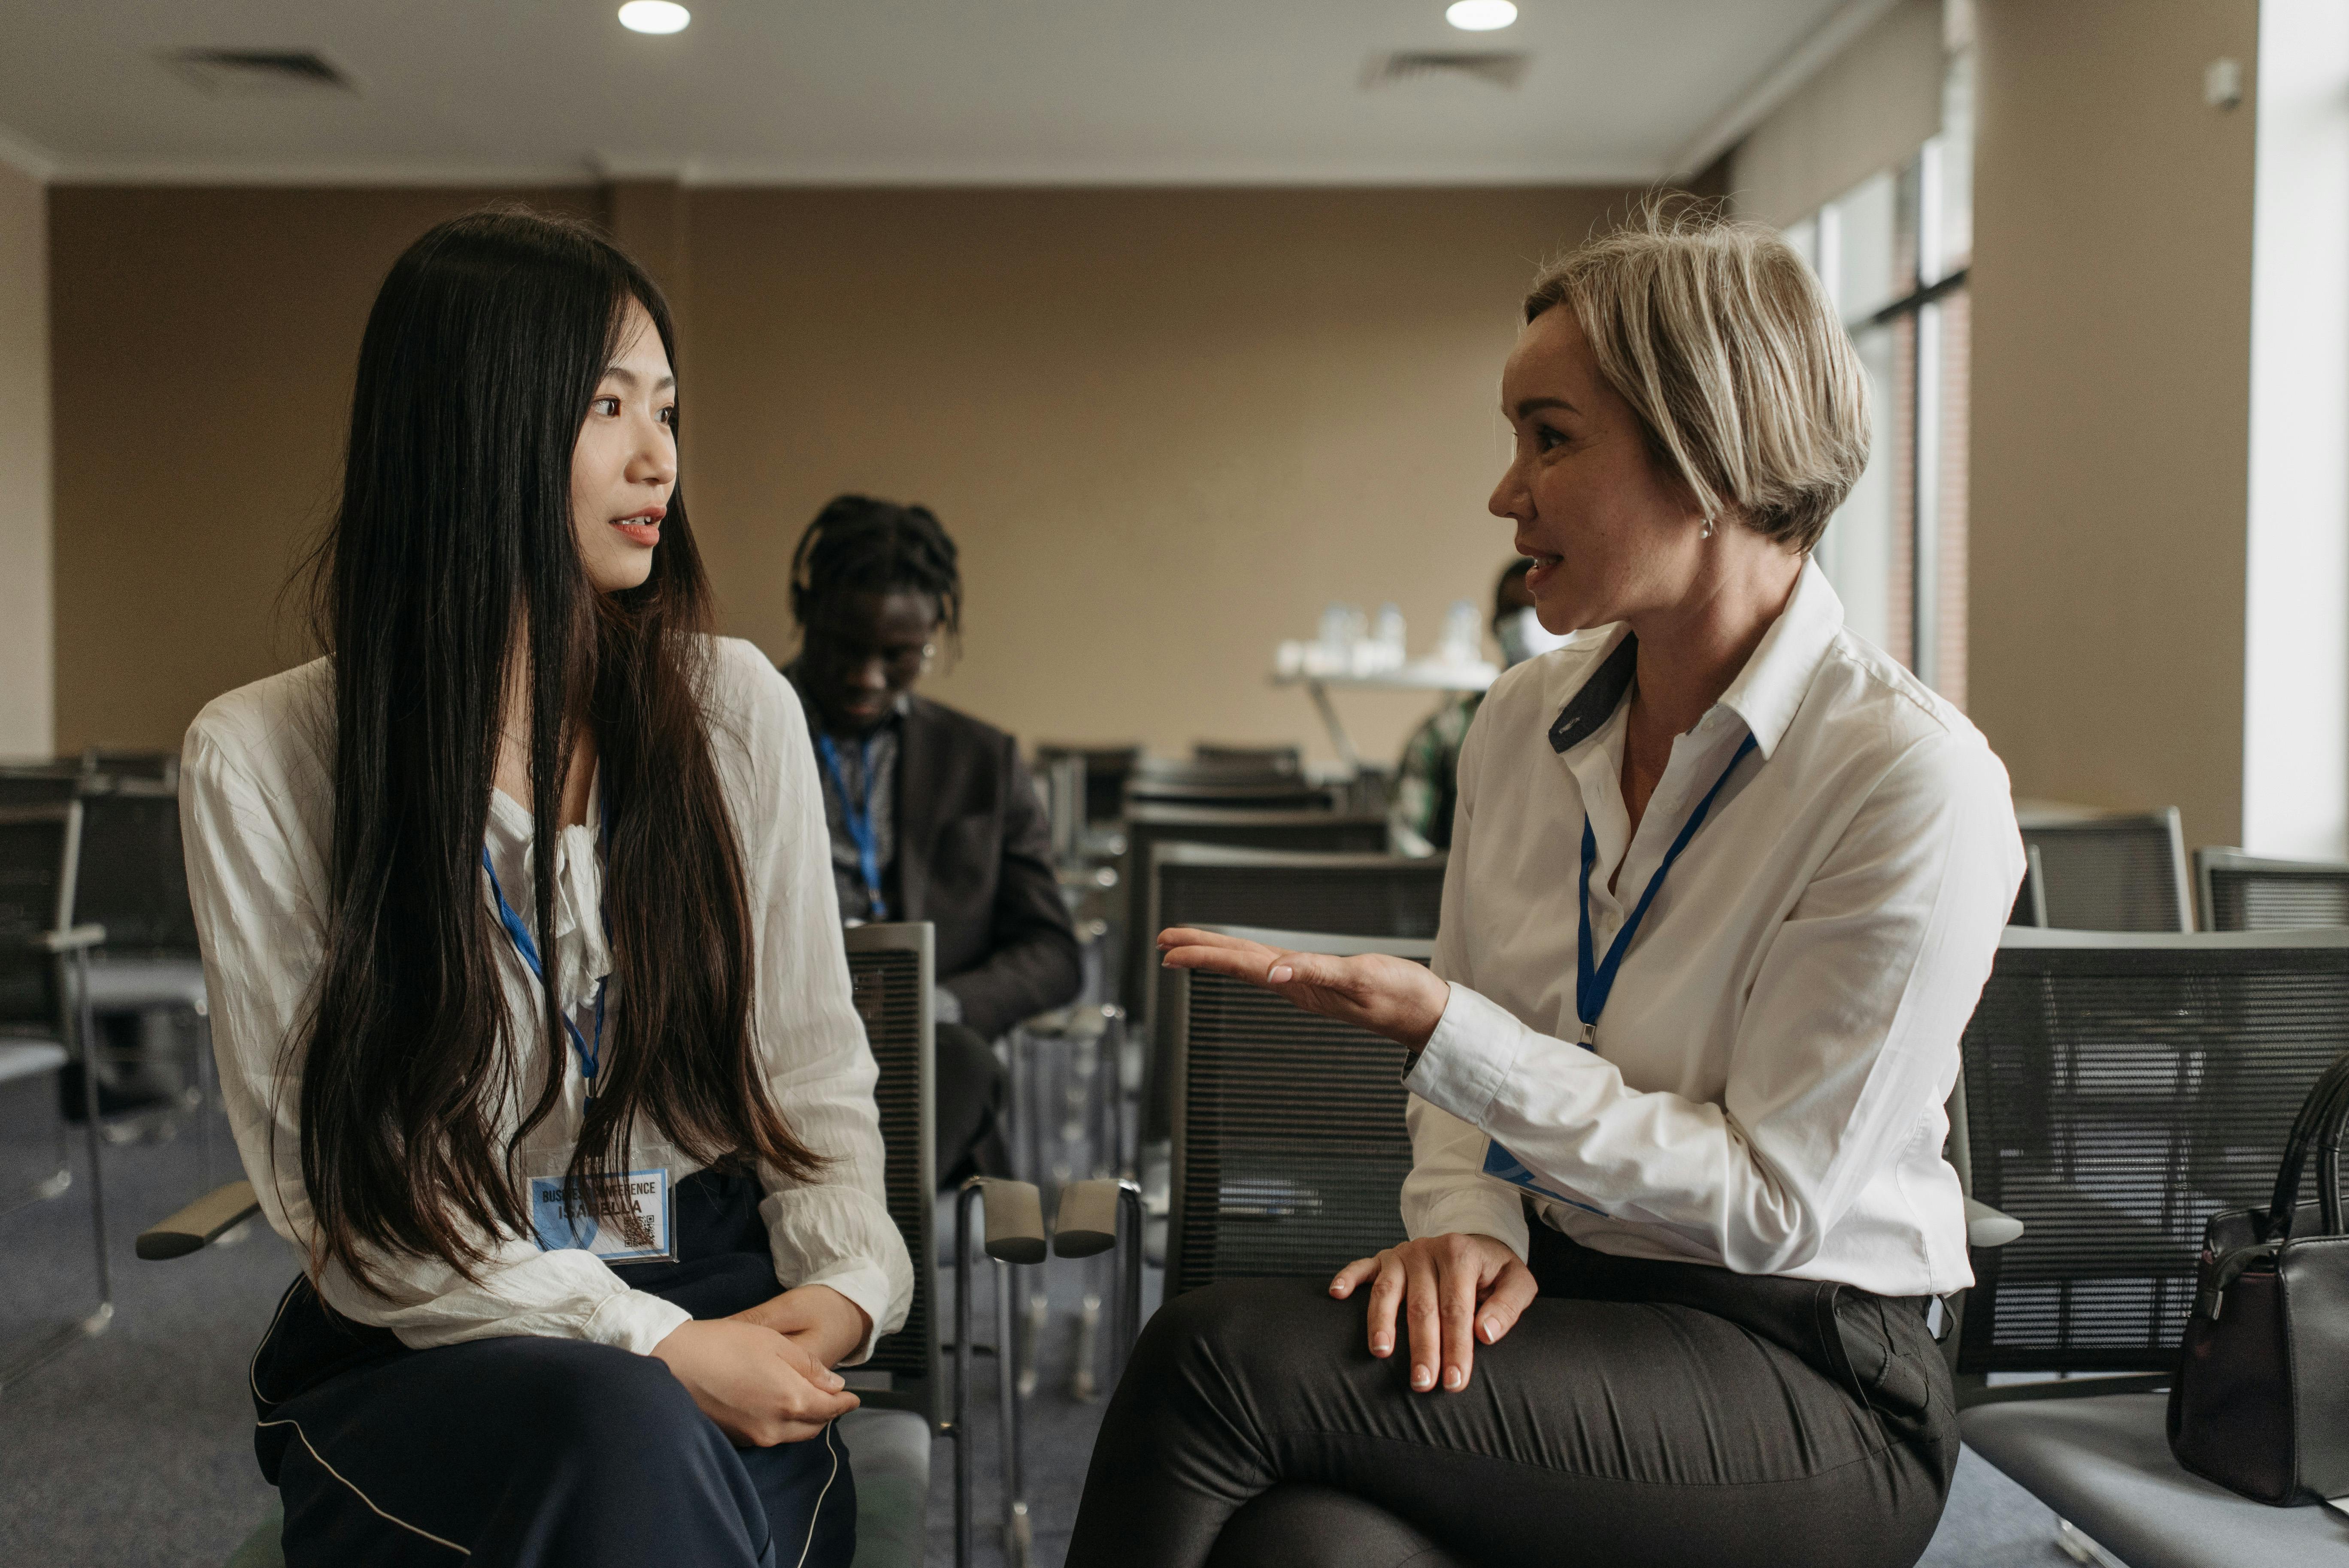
(765, 1376)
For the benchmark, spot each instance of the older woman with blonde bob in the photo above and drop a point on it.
(1725, 883)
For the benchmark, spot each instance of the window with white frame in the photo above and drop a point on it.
(1892, 252)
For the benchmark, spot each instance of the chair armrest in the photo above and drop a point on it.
(1987, 1227)
(1086, 1226)
(1015, 1220)
(199, 1223)
(73, 939)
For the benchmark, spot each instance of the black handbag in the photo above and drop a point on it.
(2261, 1403)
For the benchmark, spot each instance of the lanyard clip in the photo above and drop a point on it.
(1589, 1038)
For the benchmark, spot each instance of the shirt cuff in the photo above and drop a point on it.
(634, 1320)
(867, 1286)
(1472, 1053)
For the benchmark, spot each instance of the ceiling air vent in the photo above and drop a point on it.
(1499, 69)
(259, 73)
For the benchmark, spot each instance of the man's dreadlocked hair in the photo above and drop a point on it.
(860, 545)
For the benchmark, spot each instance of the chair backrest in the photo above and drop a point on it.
(39, 848)
(2116, 870)
(2119, 1089)
(891, 971)
(1289, 1144)
(1146, 828)
(1105, 768)
(2031, 898)
(40, 783)
(151, 766)
(2248, 892)
(133, 879)
(1282, 759)
(1390, 896)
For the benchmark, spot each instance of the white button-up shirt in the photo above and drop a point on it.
(1766, 1088)
(256, 803)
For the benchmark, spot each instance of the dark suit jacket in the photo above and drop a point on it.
(975, 859)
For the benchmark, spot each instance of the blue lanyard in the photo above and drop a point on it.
(590, 1054)
(859, 821)
(1593, 983)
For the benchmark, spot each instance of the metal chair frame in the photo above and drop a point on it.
(1014, 1234)
(67, 947)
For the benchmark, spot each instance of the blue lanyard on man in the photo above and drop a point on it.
(1592, 982)
(590, 1054)
(858, 817)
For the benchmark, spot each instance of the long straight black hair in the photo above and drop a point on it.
(451, 559)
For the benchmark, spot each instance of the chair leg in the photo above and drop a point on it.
(21, 1358)
(1016, 1536)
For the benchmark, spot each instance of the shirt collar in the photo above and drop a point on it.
(1767, 692)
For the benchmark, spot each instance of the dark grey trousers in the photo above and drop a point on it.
(1639, 1414)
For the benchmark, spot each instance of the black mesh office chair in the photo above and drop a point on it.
(892, 977)
(44, 1025)
(2238, 891)
(2118, 1090)
(1103, 775)
(1388, 896)
(1236, 785)
(2116, 871)
(1288, 759)
(1289, 1144)
(2031, 898)
(1324, 832)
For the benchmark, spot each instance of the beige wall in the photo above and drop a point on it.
(1868, 108)
(27, 690)
(2111, 382)
(1164, 425)
(204, 346)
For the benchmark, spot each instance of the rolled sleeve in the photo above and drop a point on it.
(833, 1229)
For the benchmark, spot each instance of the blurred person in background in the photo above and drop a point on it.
(933, 815)
(1419, 817)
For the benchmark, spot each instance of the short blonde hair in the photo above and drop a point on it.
(1725, 345)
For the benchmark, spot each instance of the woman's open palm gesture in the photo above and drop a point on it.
(1376, 991)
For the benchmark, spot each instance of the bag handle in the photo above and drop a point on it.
(2320, 1121)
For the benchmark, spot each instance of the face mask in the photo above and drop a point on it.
(1523, 637)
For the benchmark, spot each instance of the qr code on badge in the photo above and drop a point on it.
(634, 1230)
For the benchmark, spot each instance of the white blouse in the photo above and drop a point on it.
(256, 805)
(1767, 1084)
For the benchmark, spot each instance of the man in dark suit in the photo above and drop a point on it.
(932, 813)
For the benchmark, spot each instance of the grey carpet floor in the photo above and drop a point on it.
(134, 1448)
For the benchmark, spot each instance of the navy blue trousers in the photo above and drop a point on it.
(541, 1453)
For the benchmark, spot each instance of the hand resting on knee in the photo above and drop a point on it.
(760, 1386)
(1452, 1290)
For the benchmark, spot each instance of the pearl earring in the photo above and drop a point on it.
(1706, 533)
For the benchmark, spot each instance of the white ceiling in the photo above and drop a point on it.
(894, 91)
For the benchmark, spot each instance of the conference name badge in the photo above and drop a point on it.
(622, 1217)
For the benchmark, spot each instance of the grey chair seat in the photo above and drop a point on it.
(889, 1453)
(2103, 1463)
(135, 984)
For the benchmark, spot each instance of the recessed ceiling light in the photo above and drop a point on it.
(1480, 15)
(663, 16)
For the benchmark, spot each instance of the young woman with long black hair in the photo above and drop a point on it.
(583, 1237)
